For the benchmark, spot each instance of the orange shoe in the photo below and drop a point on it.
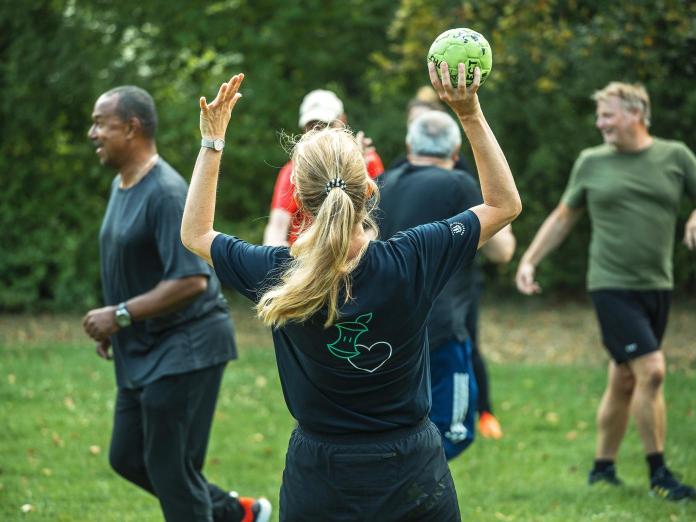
(489, 427)
(255, 509)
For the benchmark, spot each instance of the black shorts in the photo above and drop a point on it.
(632, 321)
(396, 476)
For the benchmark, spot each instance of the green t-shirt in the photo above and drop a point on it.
(632, 201)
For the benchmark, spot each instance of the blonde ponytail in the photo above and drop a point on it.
(320, 266)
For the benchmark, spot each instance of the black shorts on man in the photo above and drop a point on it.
(632, 322)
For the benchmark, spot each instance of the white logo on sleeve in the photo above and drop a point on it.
(457, 228)
(630, 348)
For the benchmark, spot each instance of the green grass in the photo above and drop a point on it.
(56, 403)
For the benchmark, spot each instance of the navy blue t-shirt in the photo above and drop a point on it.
(369, 371)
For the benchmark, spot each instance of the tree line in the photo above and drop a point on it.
(57, 56)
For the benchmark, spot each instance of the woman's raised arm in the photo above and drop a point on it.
(197, 232)
(501, 201)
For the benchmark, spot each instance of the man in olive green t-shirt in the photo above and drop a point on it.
(631, 187)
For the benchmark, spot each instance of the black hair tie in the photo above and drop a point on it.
(335, 183)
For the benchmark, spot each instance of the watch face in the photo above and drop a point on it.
(218, 144)
(122, 318)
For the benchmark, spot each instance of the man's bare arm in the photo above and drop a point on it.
(690, 232)
(551, 234)
(500, 248)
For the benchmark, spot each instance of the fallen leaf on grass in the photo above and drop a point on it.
(26, 508)
(69, 403)
(57, 440)
(552, 417)
(94, 449)
(571, 435)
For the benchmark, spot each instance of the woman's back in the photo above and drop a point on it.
(368, 372)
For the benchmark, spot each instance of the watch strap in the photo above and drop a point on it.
(217, 144)
(123, 316)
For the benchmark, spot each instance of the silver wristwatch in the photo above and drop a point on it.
(217, 144)
(123, 317)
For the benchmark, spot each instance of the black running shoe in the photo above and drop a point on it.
(607, 475)
(664, 484)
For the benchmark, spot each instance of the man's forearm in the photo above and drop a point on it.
(167, 297)
(501, 247)
(551, 234)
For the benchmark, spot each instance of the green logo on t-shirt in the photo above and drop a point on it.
(360, 356)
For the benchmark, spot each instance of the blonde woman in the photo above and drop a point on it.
(348, 315)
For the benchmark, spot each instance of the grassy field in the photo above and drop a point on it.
(547, 372)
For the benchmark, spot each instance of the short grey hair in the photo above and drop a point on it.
(434, 134)
(633, 97)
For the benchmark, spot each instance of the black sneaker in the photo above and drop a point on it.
(664, 484)
(607, 475)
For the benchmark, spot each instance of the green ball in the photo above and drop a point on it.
(465, 46)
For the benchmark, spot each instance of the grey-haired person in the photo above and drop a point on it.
(631, 187)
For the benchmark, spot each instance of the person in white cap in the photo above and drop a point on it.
(319, 108)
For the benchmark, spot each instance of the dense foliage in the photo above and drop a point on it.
(57, 56)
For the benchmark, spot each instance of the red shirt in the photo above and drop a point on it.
(283, 192)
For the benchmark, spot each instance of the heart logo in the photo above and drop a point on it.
(371, 358)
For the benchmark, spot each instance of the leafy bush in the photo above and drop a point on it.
(56, 57)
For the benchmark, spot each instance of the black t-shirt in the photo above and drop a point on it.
(412, 195)
(140, 246)
(370, 370)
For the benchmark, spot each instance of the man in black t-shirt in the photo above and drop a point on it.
(166, 319)
(426, 99)
(426, 189)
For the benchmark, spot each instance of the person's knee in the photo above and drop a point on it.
(652, 377)
(649, 371)
(622, 383)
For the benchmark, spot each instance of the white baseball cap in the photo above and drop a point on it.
(320, 105)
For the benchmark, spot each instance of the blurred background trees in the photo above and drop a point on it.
(57, 56)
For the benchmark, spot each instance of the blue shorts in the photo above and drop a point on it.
(455, 393)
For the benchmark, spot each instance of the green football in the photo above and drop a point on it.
(465, 46)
